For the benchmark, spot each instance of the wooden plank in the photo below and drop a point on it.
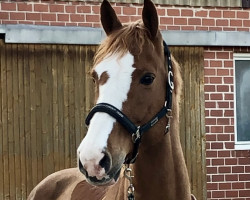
(27, 118)
(38, 79)
(60, 89)
(17, 170)
(33, 129)
(72, 144)
(2, 66)
(5, 124)
(21, 58)
(55, 107)
(66, 65)
(50, 141)
(10, 132)
(79, 97)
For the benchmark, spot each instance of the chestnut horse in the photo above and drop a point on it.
(133, 74)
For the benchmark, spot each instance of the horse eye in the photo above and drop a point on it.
(147, 79)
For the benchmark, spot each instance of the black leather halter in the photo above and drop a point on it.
(138, 131)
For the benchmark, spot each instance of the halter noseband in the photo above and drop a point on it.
(138, 131)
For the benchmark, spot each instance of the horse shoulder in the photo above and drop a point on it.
(57, 186)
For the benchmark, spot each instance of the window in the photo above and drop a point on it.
(242, 100)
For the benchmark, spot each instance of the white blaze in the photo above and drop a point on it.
(114, 92)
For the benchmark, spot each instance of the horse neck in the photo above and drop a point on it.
(160, 171)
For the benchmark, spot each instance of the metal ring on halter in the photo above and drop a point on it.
(137, 135)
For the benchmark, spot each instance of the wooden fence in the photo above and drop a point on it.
(45, 94)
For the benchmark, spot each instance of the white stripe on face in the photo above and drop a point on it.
(114, 92)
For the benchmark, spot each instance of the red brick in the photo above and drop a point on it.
(222, 55)
(173, 12)
(223, 121)
(33, 16)
(228, 64)
(4, 15)
(244, 161)
(42, 23)
(217, 178)
(48, 17)
(244, 193)
(56, 8)
(76, 18)
(201, 13)
(209, 88)
(223, 72)
(124, 19)
(41, 7)
(57, 24)
(229, 14)
(63, 17)
(194, 21)
(246, 23)
(96, 9)
(208, 22)
(247, 185)
(70, 9)
(166, 20)
(212, 154)
(210, 121)
(215, 63)
(238, 169)
(229, 97)
(225, 186)
(216, 113)
(224, 170)
(218, 194)
(229, 145)
(229, 113)
(217, 145)
(238, 185)
(216, 96)
(216, 80)
(129, 11)
(223, 137)
(231, 177)
(24, 7)
(180, 21)
(118, 10)
(223, 104)
(231, 161)
(9, 22)
(243, 14)
(221, 22)
(235, 22)
(8, 6)
(231, 193)
(217, 28)
(187, 13)
(176, 28)
(215, 14)
(229, 129)
(222, 88)
(224, 154)
(211, 137)
(92, 18)
(212, 186)
(17, 16)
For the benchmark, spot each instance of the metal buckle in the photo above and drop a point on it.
(137, 135)
(168, 116)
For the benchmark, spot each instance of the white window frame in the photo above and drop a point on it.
(239, 145)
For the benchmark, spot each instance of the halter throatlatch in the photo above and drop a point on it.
(138, 131)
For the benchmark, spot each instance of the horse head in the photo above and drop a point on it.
(130, 76)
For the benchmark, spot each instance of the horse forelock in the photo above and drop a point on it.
(130, 38)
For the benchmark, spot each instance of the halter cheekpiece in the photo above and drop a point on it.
(138, 131)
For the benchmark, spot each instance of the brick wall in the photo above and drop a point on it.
(228, 170)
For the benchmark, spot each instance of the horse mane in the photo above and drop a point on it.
(130, 38)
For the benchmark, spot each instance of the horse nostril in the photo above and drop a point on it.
(105, 162)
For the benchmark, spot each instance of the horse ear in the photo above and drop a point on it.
(109, 20)
(150, 18)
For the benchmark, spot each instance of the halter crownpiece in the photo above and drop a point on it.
(138, 131)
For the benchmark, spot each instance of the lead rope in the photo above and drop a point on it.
(128, 175)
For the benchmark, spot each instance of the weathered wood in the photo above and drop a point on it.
(1, 122)
(192, 127)
(46, 92)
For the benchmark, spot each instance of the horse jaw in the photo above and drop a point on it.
(94, 146)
